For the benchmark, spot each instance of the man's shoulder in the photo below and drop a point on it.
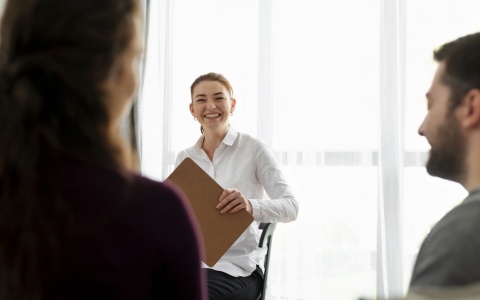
(464, 219)
(449, 253)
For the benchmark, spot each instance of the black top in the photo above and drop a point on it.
(450, 254)
(132, 239)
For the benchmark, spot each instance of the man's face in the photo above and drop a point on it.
(441, 129)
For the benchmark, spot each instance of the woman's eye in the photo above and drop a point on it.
(220, 98)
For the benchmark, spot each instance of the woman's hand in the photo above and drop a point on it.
(232, 201)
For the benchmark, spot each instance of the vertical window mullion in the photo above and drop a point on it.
(168, 156)
(391, 95)
(265, 72)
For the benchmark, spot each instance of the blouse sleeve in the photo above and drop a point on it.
(180, 157)
(282, 205)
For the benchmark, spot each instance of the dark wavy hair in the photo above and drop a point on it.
(54, 55)
(462, 66)
(211, 77)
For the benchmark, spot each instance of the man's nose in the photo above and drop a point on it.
(421, 129)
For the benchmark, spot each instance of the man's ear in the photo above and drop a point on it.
(470, 115)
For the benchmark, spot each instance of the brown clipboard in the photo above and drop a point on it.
(219, 231)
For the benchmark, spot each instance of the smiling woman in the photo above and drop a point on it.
(244, 167)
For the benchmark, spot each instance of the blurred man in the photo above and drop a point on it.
(450, 254)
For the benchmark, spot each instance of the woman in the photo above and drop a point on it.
(245, 166)
(75, 222)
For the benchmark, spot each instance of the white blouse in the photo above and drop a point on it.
(247, 164)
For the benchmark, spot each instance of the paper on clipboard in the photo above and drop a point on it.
(219, 231)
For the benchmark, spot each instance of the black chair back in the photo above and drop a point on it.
(266, 241)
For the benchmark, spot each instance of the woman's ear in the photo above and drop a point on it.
(192, 111)
(232, 105)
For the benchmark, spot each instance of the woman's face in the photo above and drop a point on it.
(212, 105)
(122, 82)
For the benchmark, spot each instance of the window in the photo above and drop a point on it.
(336, 88)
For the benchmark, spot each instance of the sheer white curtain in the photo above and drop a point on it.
(336, 88)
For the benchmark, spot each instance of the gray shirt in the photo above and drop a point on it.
(450, 254)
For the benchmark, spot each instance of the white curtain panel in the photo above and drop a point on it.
(336, 89)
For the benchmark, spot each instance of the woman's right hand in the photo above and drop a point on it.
(232, 201)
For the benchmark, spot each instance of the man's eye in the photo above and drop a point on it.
(200, 100)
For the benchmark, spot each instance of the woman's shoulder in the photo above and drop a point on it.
(157, 192)
(245, 138)
(121, 198)
(257, 145)
(193, 150)
(162, 203)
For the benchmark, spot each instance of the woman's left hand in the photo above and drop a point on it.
(232, 201)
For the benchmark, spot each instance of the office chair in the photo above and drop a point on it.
(266, 241)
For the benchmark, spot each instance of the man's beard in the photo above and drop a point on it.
(447, 154)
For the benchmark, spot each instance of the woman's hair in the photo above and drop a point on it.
(54, 56)
(211, 77)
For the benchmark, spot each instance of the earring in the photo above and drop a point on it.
(231, 113)
(194, 118)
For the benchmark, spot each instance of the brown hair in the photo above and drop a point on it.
(462, 66)
(212, 77)
(53, 56)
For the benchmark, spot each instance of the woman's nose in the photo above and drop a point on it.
(211, 105)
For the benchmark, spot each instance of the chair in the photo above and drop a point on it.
(266, 241)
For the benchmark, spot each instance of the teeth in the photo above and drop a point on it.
(212, 115)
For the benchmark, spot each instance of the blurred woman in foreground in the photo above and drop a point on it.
(75, 222)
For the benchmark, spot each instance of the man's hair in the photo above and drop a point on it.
(462, 66)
